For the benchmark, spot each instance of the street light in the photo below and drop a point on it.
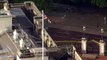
(84, 41)
(42, 32)
(101, 44)
(105, 20)
(102, 31)
(84, 29)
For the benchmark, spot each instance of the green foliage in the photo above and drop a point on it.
(76, 1)
(80, 1)
(42, 4)
(47, 4)
(17, 1)
(100, 3)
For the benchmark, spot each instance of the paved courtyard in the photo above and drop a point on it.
(92, 18)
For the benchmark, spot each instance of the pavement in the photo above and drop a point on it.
(92, 19)
(68, 22)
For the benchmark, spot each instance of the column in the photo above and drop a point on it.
(101, 48)
(49, 43)
(21, 43)
(15, 35)
(83, 45)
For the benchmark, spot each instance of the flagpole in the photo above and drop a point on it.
(42, 32)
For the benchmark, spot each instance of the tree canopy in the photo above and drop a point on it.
(42, 4)
(45, 4)
(100, 3)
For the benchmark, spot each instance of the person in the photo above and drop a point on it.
(46, 21)
(105, 20)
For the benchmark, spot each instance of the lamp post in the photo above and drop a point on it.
(101, 44)
(105, 20)
(101, 48)
(84, 45)
(84, 29)
(102, 31)
(42, 32)
(84, 41)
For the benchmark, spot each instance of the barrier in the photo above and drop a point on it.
(34, 8)
(77, 57)
(50, 40)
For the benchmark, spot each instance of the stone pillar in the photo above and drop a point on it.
(15, 35)
(6, 6)
(83, 45)
(49, 43)
(101, 48)
(21, 43)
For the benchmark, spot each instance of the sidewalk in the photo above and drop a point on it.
(78, 29)
(75, 21)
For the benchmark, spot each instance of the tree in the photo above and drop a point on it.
(100, 3)
(42, 4)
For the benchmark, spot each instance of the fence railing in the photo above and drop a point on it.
(77, 56)
(34, 7)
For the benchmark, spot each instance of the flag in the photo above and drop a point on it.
(46, 18)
